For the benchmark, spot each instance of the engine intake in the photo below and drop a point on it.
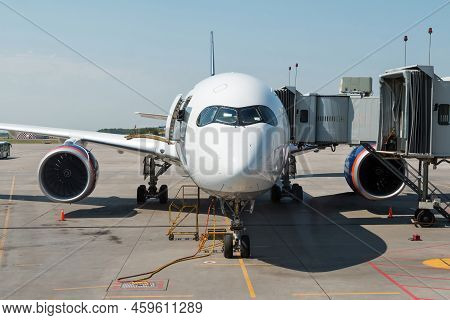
(68, 173)
(370, 178)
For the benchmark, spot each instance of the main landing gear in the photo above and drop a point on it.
(236, 241)
(294, 191)
(143, 193)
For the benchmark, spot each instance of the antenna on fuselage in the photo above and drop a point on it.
(212, 61)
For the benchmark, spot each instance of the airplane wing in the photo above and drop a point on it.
(152, 115)
(160, 148)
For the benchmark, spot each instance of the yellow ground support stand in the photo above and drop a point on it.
(203, 250)
(186, 202)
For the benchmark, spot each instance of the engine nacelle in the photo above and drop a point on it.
(368, 177)
(68, 173)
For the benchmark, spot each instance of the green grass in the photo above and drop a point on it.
(36, 141)
(155, 131)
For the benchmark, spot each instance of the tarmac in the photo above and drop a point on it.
(335, 245)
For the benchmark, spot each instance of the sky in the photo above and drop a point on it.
(161, 48)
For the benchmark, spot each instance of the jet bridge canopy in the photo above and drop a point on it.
(411, 117)
(414, 112)
(330, 119)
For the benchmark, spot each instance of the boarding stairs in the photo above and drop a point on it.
(413, 178)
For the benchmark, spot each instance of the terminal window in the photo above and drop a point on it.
(444, 114)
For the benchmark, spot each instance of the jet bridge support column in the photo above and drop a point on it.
(294, 191)
(425, 167)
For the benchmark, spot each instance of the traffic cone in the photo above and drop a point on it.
(63, 216)
(390, 215)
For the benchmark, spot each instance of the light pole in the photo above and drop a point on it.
(405, 39)
(290, 76)
(430, 31)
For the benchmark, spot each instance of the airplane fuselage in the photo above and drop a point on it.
(233, 141)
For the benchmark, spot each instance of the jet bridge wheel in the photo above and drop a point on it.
(297, 192)
(163, 194)
(425, 218)
(141, 194)
(228, 246)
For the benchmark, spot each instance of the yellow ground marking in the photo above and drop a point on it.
(251, 291)
(344, 293)
(79, 288)
(441, 263)
(6, 222)
(234, 265)
(149, 297)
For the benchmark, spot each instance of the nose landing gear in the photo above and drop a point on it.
(236, 241)
(143, 193)
(230, 245)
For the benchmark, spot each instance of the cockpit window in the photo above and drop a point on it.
(236, 116)
(227, 116)
(268, 115)
(207, 116)
(249, 116)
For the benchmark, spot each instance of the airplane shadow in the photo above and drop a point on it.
(105, 207)
(319, 235)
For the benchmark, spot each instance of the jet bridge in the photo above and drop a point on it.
(415, 123)
(414, 110)
(329, 120)
(411, 119)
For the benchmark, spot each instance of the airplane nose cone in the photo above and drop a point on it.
(243, 167)
(243, 164)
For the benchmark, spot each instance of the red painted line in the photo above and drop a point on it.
(405, 266)
(409, 293)
(431, 288)
(414, 276)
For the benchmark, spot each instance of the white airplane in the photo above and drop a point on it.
(230, 134)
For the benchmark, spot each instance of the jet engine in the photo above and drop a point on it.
(68, 173)
(370, 178)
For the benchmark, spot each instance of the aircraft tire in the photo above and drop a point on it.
(141, 194)
(163, 194)
(245, 246)
(275, 194)
(228, 246)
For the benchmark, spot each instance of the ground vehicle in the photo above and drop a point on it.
(5, 149)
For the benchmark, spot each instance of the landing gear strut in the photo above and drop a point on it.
(294, 191)
(143, 193)
(237, 240)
